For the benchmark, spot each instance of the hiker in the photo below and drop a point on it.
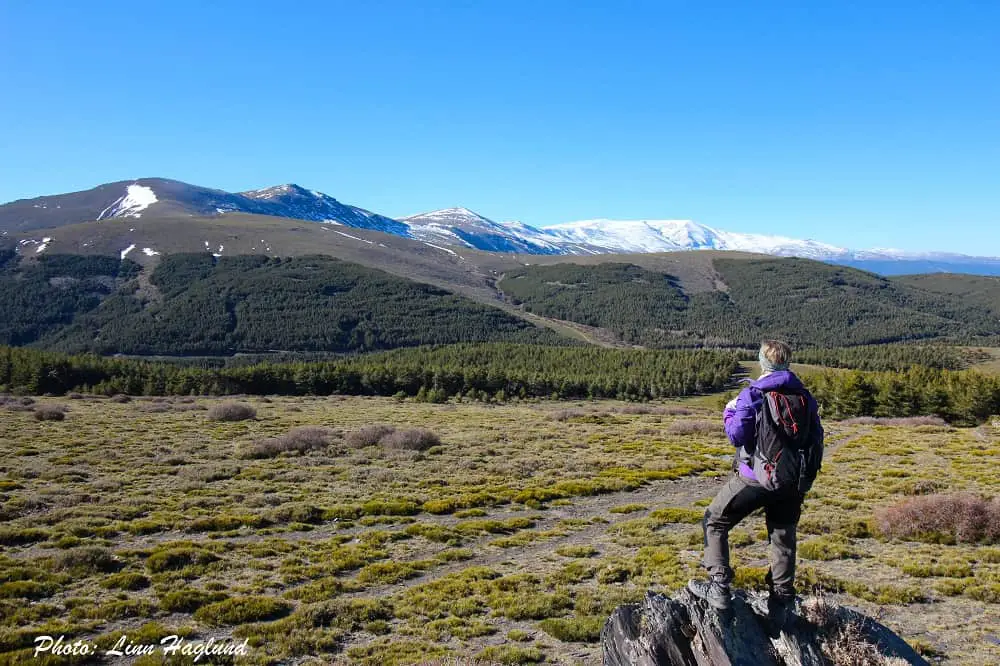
(774, 425)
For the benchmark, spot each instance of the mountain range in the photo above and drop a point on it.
(29, 221)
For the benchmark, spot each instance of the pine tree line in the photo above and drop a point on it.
(477, 371)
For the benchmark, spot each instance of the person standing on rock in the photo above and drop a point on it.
(774, 425)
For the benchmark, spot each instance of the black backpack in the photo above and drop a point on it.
(787, 452)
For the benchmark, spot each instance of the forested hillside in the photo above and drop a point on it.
(977, 290)
(42, 297)
(197, 304)
(805, 302)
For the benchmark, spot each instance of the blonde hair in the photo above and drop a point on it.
(777, 352)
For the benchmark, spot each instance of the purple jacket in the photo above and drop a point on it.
(741, 422)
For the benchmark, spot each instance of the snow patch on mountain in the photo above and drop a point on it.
(438, 247)
(137, 198)
(363, 240)
(124, 253)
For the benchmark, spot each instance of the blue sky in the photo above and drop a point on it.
(872, 125)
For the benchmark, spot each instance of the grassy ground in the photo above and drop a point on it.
(512, 539)
(992, 364)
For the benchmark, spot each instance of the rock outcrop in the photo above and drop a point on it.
(685, 631)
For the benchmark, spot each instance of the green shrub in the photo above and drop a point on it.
(188, 600)
(576, 551)
(225, 522)
(938, 569)
(391, 507)
(675, 515)
(178, 558)
(628, 508)
(832, 547)
(240, 610)
(129, 581)
(585, 629)
(435, 533)
(18, 537)
(511, 654)
(25, 589)
(86, 560)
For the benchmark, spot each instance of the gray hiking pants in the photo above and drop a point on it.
(738, 499)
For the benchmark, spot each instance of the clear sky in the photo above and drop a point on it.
(865, 124)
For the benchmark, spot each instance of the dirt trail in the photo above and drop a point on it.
(682, 493)
(657, 495)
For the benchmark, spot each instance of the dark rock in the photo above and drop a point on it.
(686, 631)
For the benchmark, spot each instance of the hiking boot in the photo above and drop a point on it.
(715, 593)
(780, 610)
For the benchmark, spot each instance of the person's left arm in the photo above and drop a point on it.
(741, 418)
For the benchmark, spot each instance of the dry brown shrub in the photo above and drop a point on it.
(368, 435)
(414, 439)
(300, 440)
(232, 411)
(689, 427)
(121, 398)
(567, 414)
(847, 646)
(962, 517)
(50, 413)
(844, 643)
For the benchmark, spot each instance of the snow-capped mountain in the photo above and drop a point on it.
(461, 226)
(674, 235)
(162, 197)
(302, 204)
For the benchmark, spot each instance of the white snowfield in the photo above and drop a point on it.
(137, 199)
(125, 252)
(673, 235)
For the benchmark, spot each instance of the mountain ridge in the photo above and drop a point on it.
(454, 228)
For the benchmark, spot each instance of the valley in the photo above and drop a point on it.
(509, 533)
(362, 441)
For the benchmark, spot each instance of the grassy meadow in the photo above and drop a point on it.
(506, 533)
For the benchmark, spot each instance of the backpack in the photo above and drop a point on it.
(787, 453)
